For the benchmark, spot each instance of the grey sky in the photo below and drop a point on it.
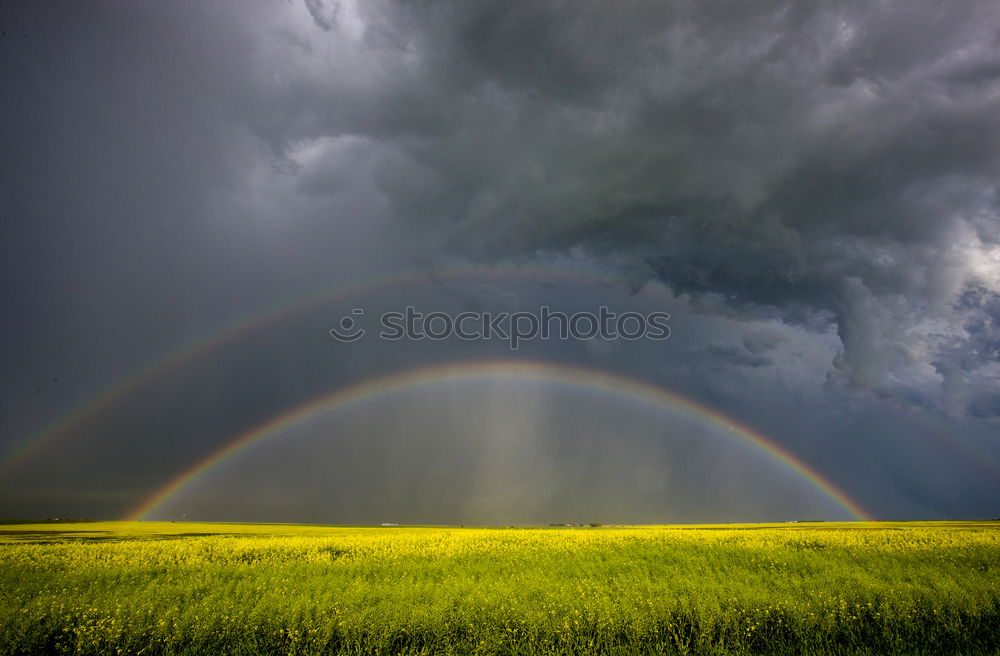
(810, 189)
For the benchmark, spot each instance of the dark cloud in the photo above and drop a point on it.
(816, 159)
(969, 360)
(324, 17)
(734, 355)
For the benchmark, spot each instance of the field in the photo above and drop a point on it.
(165, 588)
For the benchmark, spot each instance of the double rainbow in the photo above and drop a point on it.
(569, 376)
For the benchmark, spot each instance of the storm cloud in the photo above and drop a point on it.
(838, 163)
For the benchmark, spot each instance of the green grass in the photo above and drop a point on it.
(827, 588)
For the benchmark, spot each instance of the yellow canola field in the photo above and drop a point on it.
(166, 588)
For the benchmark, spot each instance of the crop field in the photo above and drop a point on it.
(816, 588)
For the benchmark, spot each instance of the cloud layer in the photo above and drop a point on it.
(838, 163)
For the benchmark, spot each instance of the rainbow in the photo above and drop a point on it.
(571, 376)
(563, 270)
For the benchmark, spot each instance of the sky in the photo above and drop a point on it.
(195, 193)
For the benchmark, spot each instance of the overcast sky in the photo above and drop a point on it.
(809, 189)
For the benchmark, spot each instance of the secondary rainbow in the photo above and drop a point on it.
(199, 346)
(206, 342)
(578, 377)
